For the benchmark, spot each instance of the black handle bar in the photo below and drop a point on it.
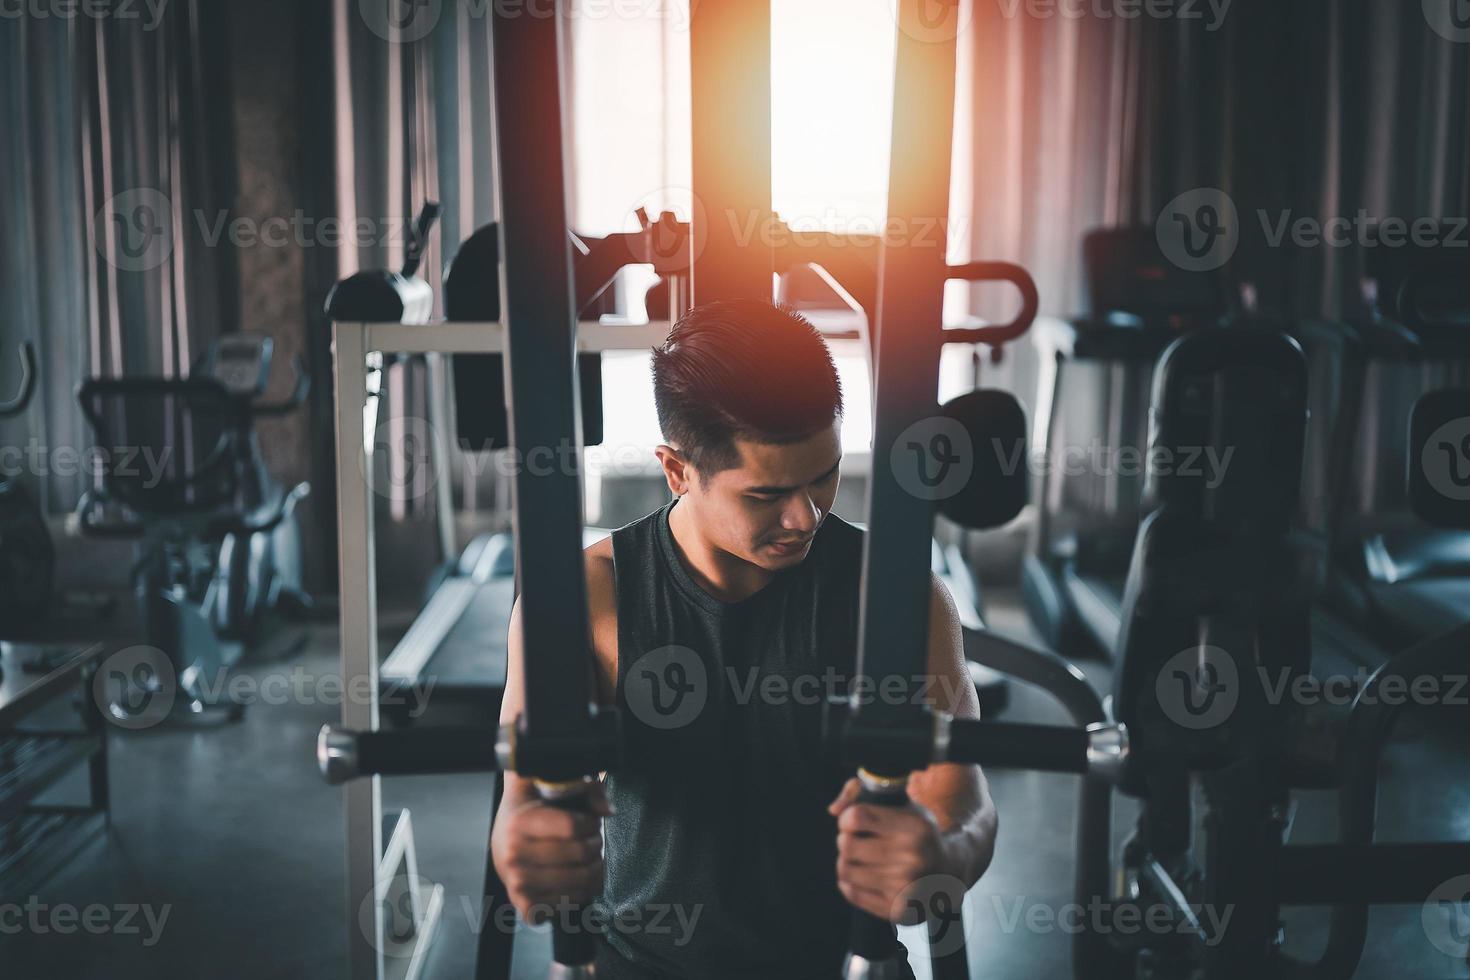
(244, 526)
(92, 528)
(28, 372)
(299, 393)
(1001, 333)
(419, 240)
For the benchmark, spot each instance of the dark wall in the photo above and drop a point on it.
(268, 113)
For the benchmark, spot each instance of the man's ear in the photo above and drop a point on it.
(677, 470)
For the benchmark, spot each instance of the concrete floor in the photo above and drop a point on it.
(231, 832)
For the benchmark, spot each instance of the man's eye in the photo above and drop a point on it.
(764, 498)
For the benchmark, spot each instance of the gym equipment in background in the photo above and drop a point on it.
(380, 849)
(260, 573)
(219, 552)
(397, 297)
(27, 559)
(1394, 576)
(1095, 375)
(1218, 593)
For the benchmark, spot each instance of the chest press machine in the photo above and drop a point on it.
(557, 740)
(560, 742)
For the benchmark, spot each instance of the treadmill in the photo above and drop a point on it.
(1096, 381)
(1394, 576)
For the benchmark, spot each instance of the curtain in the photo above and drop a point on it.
(114, 159)
(1316, 108)
(411, 119)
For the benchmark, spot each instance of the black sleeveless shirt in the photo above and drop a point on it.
(721, 857)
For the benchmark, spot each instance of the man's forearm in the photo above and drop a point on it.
(959, 799)
(969, 846)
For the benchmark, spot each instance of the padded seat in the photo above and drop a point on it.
(1098, 601)
(1403, 554)
(1416, 610)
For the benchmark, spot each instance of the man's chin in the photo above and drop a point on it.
(774, 556)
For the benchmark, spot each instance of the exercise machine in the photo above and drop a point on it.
(558, 741)
(260, 573)
(218, 552)
(27, 559)
(1094, 390)
(1396, 577)
(380, 855)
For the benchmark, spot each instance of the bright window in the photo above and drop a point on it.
(831, 111)
(832, 83)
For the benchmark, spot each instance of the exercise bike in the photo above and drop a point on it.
(219, 549)
(27, 560)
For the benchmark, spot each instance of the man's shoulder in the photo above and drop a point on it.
(598, 558)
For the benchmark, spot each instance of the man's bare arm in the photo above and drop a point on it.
(956, 794)
(544, 854)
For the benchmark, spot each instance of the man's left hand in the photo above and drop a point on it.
(883, 851)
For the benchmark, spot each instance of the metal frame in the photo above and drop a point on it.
(730, 42)
(358, 616)
(730, 166)
(59, 832)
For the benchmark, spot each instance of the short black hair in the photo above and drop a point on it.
(742, 368)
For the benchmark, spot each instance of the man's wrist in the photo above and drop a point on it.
(957, 855)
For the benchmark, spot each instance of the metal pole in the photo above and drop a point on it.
(893, 626)
(730, 99)
(358, 617)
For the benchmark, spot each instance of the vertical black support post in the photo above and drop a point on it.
(912, 271)
(495, 947)
(541, 383)
(730, 94)
(555, 740)
(894, 623)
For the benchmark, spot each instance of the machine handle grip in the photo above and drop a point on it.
(570, 947)
(419, 241)
(875, 939)
(93, 528)
(18, 404)
(1041, 748)
(344, 755)
(245, 527)
(299, 393)
(1001, 333)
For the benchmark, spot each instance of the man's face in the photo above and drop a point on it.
(767, 508)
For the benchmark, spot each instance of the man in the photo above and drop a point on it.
(734, 847)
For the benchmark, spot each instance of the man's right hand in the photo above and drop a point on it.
(546, 856)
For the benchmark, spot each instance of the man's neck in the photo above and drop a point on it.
(721, 574)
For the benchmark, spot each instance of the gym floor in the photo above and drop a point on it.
(231, 834)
